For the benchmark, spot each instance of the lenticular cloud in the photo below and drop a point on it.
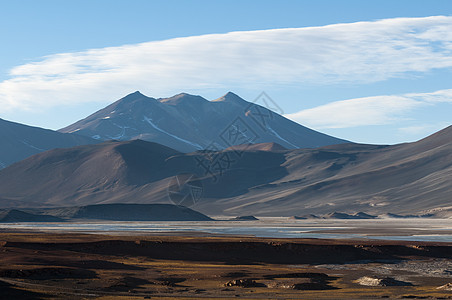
(357, 52)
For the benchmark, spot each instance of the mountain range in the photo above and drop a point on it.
(183, 122)
(264, 179)
(189, 123)
(221, 157)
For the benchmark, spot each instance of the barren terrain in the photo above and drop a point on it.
(86, 266)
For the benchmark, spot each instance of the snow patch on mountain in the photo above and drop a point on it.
(122, 135)
(280, 137)
(149, 121)
(31, 146)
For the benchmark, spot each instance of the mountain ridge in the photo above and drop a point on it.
(19, 141)
(189, 123)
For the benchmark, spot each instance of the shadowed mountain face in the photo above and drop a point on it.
(20, 141)
(405, 179)
(14, 215)
(129, 212)
(124, 172)
(189, 123)
(112, 212)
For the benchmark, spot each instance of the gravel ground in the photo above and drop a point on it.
(432, 268)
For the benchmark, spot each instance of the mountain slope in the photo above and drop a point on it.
(20, 141)
(408, 178)
(83, 175)
(116, 172)
(189, 123)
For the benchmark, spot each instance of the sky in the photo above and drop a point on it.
(375, 72)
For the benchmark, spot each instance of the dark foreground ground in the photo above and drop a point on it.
(83, 266)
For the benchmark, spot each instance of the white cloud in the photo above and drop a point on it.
(423, 129)
(440, 96)
(357, 52)
(378, 110)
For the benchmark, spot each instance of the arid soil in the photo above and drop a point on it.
(87, 266)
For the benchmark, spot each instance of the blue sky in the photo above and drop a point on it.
(367, 71)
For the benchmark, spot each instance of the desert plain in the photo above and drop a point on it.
(38, 264)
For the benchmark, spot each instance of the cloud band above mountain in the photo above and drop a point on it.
(358, 52)
(378, 110)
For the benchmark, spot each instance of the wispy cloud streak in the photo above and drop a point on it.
(378, 110)
(357, 52)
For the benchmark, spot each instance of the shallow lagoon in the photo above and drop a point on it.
(383, 229)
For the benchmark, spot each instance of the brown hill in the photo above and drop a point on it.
(403, 179)
(258, 147)
(14, 216)
(128, 212)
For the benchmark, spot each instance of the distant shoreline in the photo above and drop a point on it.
(433, 230)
